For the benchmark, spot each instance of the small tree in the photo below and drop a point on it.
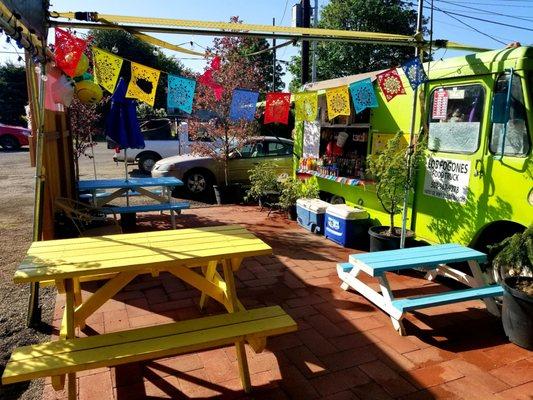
(236, 71)
(84, 121)
(389, 169)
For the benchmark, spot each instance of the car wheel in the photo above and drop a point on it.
(198, 182)
(147, 161)
(9, 143)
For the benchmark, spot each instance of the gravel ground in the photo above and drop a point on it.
(16, 218)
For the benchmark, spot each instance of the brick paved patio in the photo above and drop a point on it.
(345, 347)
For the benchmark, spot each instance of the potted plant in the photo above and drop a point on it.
(389, 170)
(264, 184)
(514, 262)
(293, 189)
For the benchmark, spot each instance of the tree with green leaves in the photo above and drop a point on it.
(337, 59)
(14, 94)
(129, 47)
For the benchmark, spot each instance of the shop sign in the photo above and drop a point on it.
(447, 179)
(440, 104)
(311, 145)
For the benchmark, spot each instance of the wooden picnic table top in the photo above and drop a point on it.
(128, 184)
(150, 251)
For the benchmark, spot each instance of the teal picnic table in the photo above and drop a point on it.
(103, 191)
(434, 260)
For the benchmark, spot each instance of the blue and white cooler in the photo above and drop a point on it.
(310, 214)
(345, 225)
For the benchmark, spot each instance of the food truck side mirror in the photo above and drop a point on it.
(499, 112)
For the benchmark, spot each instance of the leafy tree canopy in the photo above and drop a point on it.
(336, 59)
(14, 94)
(238, 70)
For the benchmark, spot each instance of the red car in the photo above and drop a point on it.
(13, 137)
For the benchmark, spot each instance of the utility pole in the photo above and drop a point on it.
(274, 59)
(306, 21)
(314, 45)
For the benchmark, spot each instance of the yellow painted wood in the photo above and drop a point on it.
(244, 372)
(145, 333)
(160, 252)
(88, 278)
(208, 274)
(231, 293)
(70, 304)
(68, 356)
(130, 237)
(199, 282)
(98, 298)
(99, 254)
(77, 292)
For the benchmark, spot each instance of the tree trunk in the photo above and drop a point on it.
(391, 229)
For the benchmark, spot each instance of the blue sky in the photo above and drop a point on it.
(262, 12)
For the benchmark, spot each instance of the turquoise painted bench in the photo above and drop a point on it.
(128, 213)
(178, 206)
(102, 195)
(431, 258)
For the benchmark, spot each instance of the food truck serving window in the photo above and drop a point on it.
(455, 118)
(517, 135)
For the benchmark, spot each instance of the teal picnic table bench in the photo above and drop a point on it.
(101, 192)
(434, 259)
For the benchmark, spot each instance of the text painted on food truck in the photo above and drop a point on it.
(447, 179)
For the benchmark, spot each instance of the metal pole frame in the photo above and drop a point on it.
(34, 311)
(410, 149)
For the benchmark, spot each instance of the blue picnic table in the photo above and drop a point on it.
(434, 260)
(103, 191)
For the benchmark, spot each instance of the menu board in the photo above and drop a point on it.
(440, 104)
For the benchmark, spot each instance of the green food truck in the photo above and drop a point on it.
(476, 186)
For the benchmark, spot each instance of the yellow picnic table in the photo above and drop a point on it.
(191, 255)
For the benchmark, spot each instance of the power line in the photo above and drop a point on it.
(440, 21)
(494, 4)
(284, 11)
(467, 25)
(486, 12)
(484, 20)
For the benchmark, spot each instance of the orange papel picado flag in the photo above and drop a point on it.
(106, 69)
(143, 83)
(306, 106)
(338, 100)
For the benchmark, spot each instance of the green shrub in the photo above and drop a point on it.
(263, 178)
(293, 189)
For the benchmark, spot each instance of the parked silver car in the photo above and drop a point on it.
(199, 173)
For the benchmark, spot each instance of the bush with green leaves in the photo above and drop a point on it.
(389, 170)
(293, 189)
(514, 255)
(263, 179)
(514, 258)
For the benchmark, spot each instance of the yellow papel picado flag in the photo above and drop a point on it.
(106, 69)
(306, 106)
(338, 100)
(143, 83)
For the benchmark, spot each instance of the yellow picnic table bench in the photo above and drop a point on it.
(193, 255)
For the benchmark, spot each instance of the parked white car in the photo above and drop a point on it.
(162, 138)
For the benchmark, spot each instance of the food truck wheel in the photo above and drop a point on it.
(337, 199)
